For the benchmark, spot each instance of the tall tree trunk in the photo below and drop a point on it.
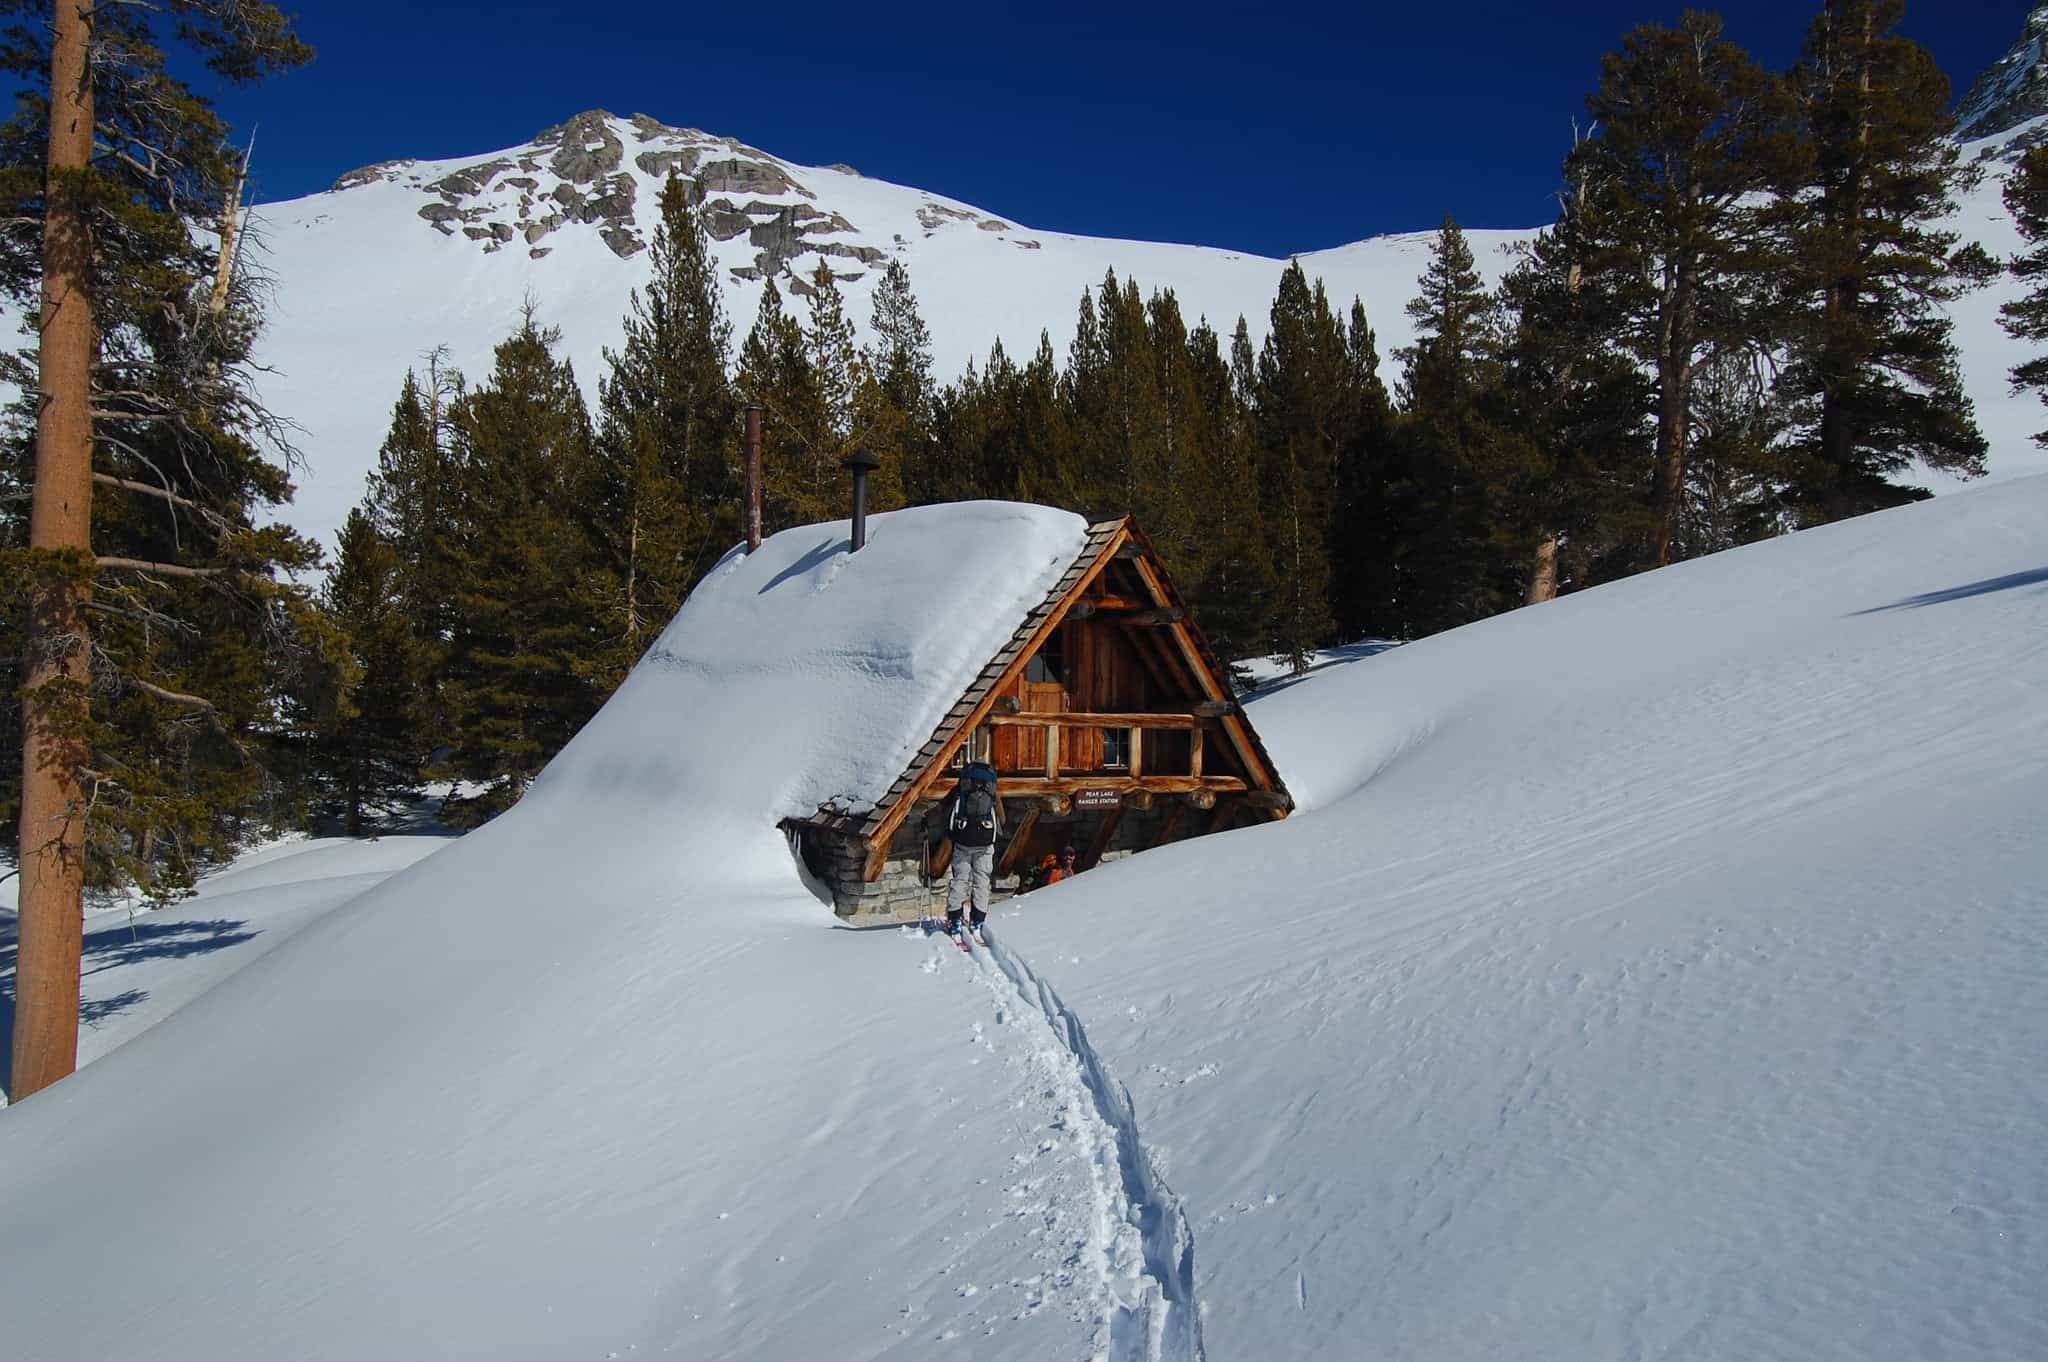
(1674, 414)
(55, 670)
(1543, 572)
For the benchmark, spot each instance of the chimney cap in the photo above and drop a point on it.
(861, 459)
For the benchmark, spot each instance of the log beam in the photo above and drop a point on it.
(1271, 799)
(1020, 842)
(1201, 799)
(1073, 720)
(1103, 833)
(1147, 619)
(1122, 784)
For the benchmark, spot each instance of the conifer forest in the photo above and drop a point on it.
(1731, 330)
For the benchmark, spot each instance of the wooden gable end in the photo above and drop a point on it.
(1106, 691)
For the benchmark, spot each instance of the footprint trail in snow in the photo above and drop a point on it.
(1135, 1252)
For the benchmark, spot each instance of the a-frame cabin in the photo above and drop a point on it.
(1111, 722)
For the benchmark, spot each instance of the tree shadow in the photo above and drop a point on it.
(130, 942)
(110, 947)
(826, 549)
(2009, 582)
(93, 1011)
(1326, 660)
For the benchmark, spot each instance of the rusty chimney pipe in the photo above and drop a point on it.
(753, 476)
(861, 462)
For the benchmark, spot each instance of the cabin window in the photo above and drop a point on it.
(976, 748)
(1116, 749)
(1049, 664)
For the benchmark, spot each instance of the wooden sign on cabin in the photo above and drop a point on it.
(1112, 726)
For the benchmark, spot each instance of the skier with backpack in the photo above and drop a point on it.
(974, 819)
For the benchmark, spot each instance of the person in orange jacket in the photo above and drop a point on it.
(1059, 867)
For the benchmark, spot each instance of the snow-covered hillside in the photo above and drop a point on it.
(1661, 971)
(408, 255)
(140, 967)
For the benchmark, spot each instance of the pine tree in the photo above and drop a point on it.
(2026, 318)
(895, 404)
(1441, 505)
(1237, 585)
(775, 371)
(661, 504)
(842, 400)
(1361, 587)
(1299, 404)
(411, 504)
(517, 683)
(1872, 379)
(1576, 412)
(1690, 134)
(371, 726)
(112, 171)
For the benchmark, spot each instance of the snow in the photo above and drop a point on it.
(811, 674)
(339, 350)
(1659, 971)
(139, 967)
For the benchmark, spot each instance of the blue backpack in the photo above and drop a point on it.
(974, 806)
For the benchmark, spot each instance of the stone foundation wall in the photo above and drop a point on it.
(901, 895)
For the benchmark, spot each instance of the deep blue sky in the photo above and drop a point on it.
(1271, 129)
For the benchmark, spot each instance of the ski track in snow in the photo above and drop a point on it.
(1138, 1247)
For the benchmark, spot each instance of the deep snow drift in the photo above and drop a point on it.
(140, 967)
(1662, 971)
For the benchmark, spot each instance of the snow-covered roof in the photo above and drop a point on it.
(804, 675)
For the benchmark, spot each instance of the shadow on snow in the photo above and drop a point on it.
(1986, 587)
(124, 943)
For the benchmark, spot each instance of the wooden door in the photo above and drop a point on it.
(1040, 697)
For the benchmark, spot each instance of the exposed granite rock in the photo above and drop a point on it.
(615, 204)
(735, 176)
(383, 170)
(934, 215)
(2014, 88)
(867, 255)
(586, 182)
(538, 251)
(681, 160)
(723, 222)
(586, 148)
(474, 180)
(779, 240)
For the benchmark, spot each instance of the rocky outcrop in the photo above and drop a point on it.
(589, 173)
(382, 171)
(2014, 89)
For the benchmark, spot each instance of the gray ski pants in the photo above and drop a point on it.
(973, 869)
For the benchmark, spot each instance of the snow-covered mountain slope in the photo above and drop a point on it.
(1661, 970)
(2013, 89)
(408, 255)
